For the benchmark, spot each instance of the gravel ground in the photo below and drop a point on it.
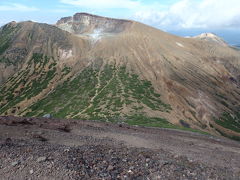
(38, 148)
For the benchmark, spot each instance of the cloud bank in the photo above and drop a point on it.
(192, 14)
(182, 14)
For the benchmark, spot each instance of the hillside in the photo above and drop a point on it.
(91, 67)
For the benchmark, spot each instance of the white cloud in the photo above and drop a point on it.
(192, 14)
(17, 7)
(183, 14)
(104, 4)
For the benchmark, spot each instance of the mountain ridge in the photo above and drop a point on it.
(126, 71)
(65, 19)
(83, 23)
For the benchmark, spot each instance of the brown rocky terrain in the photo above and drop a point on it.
(41, 148)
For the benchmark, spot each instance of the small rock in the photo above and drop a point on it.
(39, 138)
(31, 171)
(41, 159)
(130, 171)
(166, 163)
(50, 166)
(191, 144)
(103, 174)
(176, 156)
(110, 151)
(8, 141)
(39, 133)
(47, 116)
(148, 160)
(66, 150)
(110, 168)
(15, 163)
(124, 160)
(50, 158)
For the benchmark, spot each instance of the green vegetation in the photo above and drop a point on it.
(142, 120)
(40, 59)
(6, 35)
(5, 60)
(230, 121)
(142, 91)
(65, 71)
(3, 47)
(36, 58)
(93, 94)
(96, 94)
(236, 138)
(26, 84)
(68, 97)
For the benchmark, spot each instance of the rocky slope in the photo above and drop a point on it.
(83, 23)
(92, 67)
(39, 148)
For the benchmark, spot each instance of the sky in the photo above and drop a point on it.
(181, 17)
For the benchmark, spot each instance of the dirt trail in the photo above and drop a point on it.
(77, 149)
(97, 92)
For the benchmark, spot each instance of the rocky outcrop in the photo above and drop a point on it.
(83, 23)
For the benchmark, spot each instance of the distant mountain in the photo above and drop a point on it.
(237, 45)
(211, 37)
(93, 67)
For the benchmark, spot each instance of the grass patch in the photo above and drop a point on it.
(97, 97)
(236, 138)
(6, 35)
(142, 120)
(25, 85)
(229, 121)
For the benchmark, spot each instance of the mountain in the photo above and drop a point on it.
(92, 67)
(237, 46)
(211, 37)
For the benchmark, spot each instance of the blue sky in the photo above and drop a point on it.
(183, 17)
(50, 11)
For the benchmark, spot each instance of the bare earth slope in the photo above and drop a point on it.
(38, 148)
(94, 67)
